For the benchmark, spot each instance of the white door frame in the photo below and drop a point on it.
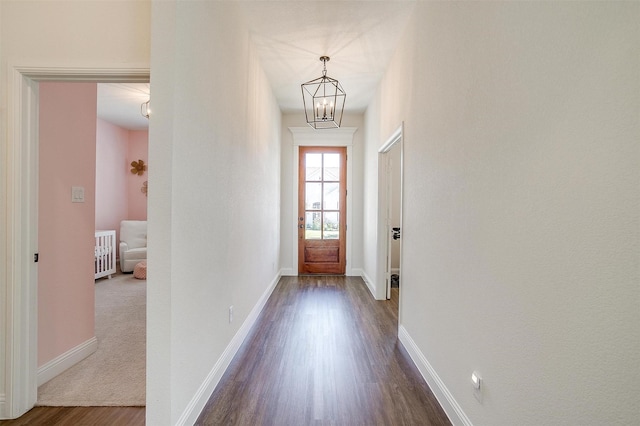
(19, 283)
(383, 283)
(306, 136)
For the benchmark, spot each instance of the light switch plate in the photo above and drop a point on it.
(77, 194)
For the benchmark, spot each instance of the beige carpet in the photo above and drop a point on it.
(115, 374)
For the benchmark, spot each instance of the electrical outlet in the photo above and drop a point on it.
(476, 382)
(230, 314)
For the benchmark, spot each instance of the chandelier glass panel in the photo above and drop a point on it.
(323, 100)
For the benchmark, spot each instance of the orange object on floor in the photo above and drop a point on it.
(140, 270)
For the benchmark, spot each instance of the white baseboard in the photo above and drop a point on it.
(204, 392)
(369, 282)
(3, 407)
(442, 394)
(287, 272)
(67, 360)
(355, 272)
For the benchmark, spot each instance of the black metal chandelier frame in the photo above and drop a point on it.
(323, 100)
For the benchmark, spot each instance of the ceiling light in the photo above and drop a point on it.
(323, 100)
(145, 110)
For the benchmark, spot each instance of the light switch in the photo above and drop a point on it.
(77, 194)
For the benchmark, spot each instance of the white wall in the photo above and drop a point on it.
(49, 34)
(521, 209)
(289, 181)
(214, 202)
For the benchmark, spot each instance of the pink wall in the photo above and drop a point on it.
(118, 195)
(112, 204)
(66, 229)
(138, 150)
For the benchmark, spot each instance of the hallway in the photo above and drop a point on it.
(323, 351)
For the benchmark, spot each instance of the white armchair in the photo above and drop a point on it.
(133, 243)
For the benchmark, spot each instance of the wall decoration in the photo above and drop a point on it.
(144, 188)
(138, 167)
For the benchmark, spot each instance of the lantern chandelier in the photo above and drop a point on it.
(323, 100)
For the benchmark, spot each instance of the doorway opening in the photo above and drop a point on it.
(22, 220)
(322, 199)
(86, 322)
(390, 177)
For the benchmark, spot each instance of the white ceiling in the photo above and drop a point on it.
(290, 36)
(119, 104)
(358, 36)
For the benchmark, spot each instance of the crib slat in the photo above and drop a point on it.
(105, 253)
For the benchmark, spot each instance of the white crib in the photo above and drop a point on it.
(105, 253)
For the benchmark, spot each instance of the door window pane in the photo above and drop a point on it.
(313, 194)
(332, 196)
(312, 223)
(313, 164)
(331, 167)
(331, 226)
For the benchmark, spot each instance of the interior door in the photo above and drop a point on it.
(322, 204)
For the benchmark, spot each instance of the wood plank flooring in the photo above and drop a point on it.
(323, 352)
(80, 416)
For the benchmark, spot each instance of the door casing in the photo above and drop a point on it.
(306, 136)
(382, 282)
(20, 278)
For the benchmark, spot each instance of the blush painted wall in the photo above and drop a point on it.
(138, 148)
(67, 154)
(118, 195)
(111, 179)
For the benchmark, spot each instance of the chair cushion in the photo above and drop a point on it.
(134, 233)
(137, 253)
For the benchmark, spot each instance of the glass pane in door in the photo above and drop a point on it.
(331, 226)
(312, 229)
(313, 164)
(313, 196)
(331, 167)
(331, 196)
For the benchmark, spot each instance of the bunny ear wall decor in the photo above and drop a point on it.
(138, 167)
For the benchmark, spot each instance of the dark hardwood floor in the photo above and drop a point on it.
(81, 416)
(323, 352)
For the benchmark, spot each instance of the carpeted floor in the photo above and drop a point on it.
(115, 374)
